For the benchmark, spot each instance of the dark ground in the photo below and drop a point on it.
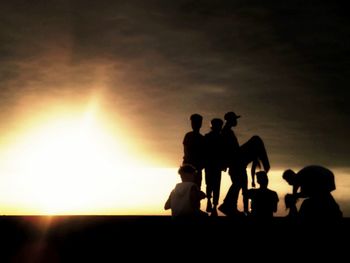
(159, 238)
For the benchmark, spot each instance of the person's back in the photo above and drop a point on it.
(181, 199)
(320, 207)
(315, 179)
(263, 200)
(193, 148)
(184, 199)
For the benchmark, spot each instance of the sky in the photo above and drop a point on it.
(145, 66)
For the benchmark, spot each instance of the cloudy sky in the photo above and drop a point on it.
(282, 65)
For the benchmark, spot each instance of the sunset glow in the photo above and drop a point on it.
(70, 165)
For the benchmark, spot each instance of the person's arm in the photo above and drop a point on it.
(253, 178)
(296, 187)
(202, 195)
(290, 202)
(167, 203)
(275, 203)
(194, 198)
(255, 164)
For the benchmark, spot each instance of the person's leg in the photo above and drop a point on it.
(216, 186)
(198, 179)
(231, 198)
(209, 188)
(244, 192)
(261, 152)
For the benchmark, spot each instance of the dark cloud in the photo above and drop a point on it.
(283, 66)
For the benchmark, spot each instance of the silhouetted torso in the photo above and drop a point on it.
(194, 149)
(214, 147)
(231, 149)
(263, 202)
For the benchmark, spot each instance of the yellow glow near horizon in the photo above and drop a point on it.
(70, 166)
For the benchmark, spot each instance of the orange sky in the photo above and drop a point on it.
(137, 70)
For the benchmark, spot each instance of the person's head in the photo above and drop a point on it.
(289, 176)
(187, 172)
(262, 179)
(216, 124)
(231, 118)
(196, 121)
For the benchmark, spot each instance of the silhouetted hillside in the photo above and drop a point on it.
(77, 238)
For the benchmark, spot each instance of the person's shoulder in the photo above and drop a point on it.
(252, 191)
(188, 136)
(272, 192)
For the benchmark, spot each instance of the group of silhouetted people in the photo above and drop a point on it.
(219, 151)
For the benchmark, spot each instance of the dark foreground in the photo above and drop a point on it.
(146, 238)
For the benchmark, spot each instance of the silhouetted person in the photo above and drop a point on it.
(184, 199)
(309, 180)
(253, 151)
(263, 200)
(316, 184)
(213, 164)
(237, 159)
(193, 144)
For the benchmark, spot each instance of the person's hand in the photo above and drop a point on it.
(224, 168)
(202, 195)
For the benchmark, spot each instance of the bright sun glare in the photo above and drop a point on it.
(73, 166)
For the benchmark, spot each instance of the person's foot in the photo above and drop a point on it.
(230, 211)
(226, 210)
(209, 206)
(214, 212)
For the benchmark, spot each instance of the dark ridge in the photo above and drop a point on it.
(77, 238)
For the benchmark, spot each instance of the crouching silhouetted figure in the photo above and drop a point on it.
(316, 184)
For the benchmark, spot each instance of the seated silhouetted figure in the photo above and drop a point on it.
(263, 200)
(316, 184)
(184, 199)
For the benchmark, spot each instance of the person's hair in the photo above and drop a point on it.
(216, 123)
(185, 170)
(196, 117)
